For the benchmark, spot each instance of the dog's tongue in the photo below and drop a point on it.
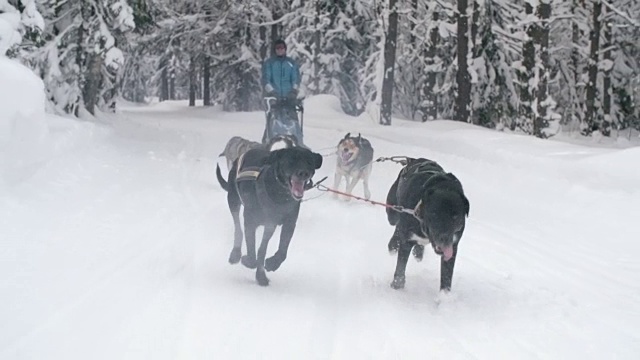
(297, 187)
(447, 253)
(346, 156)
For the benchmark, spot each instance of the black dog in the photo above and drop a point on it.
(439, 210)
(270, 185)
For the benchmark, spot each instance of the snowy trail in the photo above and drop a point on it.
(133, 234)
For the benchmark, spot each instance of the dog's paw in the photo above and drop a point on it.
(398, 282)
(235, 256)
(273, 263)
(262, 278)
(393, 246)
(418, 252)
(249, 262)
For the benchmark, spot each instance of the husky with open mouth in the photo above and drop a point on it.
(354, 156)
(270, 186)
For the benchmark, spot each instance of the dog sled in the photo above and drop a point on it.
(282, 119)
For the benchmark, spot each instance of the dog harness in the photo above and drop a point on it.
(250, 173)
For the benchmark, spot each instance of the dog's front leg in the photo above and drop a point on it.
(351, 183)
(261, 276)
(394, 243)
(336, 182)
(446, 270)
(250, 226)
(286, 233)
(401, 266)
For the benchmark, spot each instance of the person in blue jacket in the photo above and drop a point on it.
(281, 79)
(281, 74)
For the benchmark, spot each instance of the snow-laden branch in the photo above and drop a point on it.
(621, 14)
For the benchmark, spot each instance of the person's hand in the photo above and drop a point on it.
(269, 90)
(293, 94)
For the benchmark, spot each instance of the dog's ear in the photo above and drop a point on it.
(466, 204)
(317, 160)
(274, 156)
(347, 136)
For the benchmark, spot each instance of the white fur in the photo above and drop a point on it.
(419, 239)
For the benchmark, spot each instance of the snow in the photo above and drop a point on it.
(23, 127)
(116, 247)
(114, 58)
(31, 17)
(124, 16)
(9, 25)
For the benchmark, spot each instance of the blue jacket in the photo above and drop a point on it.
(281, 74)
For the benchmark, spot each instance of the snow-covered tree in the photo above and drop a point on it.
(80, 62)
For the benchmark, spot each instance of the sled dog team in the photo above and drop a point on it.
(426, 204)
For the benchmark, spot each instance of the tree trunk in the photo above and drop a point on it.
(274, 32)
(172, 81)
(415, 76)
(389, 65)
(264, 44)
(576, 89)
(192, 81)
(431, 108)
(474, 28)
(412, 24)
(164, 80)
(606, 88)
(317, 38)
(526, 77)
(541, 120)
(463, 79)
(206, 86)
(90, 91)
(594, 38)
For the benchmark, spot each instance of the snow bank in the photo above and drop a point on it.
(23, 129)
(9, 23)
(321, 105)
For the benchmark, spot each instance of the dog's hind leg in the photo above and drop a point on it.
(261, 276)
(234, 206)
(446, 270)
(250, 227)
(401, 266)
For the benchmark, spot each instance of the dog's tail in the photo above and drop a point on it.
(221, 180)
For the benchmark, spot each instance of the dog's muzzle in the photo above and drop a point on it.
(297, 183)
(345, 156)
(445, 251)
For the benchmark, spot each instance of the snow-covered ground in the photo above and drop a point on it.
(114, 245)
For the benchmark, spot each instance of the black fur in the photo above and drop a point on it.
(270, 201)
(439, 218)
